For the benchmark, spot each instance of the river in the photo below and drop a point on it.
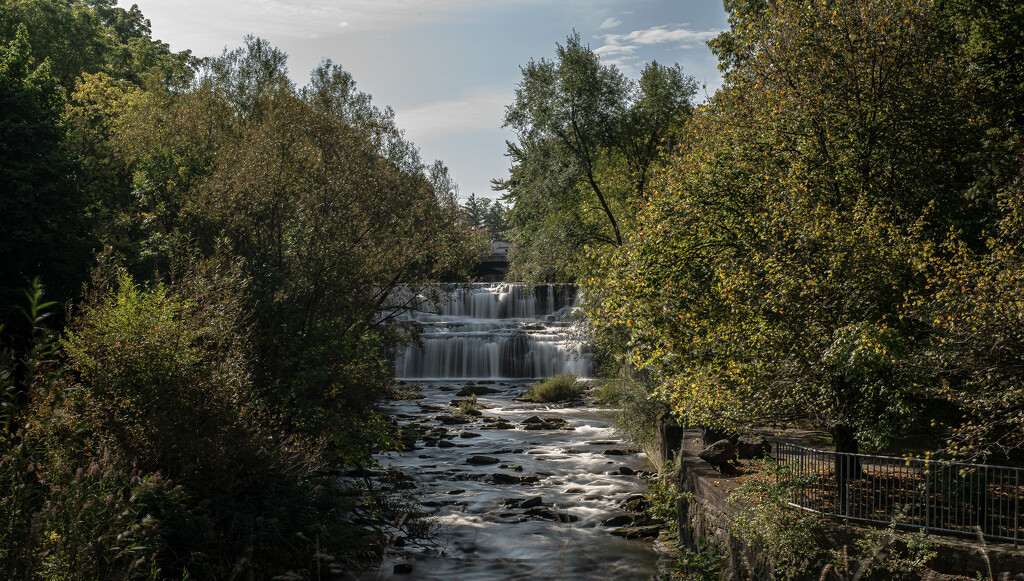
(523, 490)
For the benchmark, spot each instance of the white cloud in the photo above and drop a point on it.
(610, 23)
(609, 50)
(625, 44)
(484, 110)
(299, 17)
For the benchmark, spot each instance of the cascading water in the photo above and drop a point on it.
(498, 330)
(517, 489)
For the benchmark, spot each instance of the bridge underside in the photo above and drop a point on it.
(491, 268)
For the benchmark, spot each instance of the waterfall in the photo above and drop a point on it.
(496, 330)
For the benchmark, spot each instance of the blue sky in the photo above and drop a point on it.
(448, 67)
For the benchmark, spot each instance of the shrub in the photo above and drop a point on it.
(638, 409)
(557, 389)
(469, 406)
(783, 542)
(159, 377)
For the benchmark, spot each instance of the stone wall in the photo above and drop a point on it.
(704, 513)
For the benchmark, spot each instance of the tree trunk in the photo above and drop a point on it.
(847, 467)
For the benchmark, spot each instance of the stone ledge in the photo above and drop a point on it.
(709, 515)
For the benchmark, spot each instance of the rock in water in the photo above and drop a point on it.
(502, 478)
(531, 502)
(476, 390)
(482, 460)
(645, 532)
(618, 521)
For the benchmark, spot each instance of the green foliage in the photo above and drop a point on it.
(100, 522)
(469, 406)
(559, 388)
(93, 36)
(323, 204)
(588, 139)
(24, 359)
(269, 236)
(638, 407)
(764, 280)
(784, 539)
(971, 359)
(991, 30)
(885, 550)
(159, 375)
(705, 563)
(482, 214)
(41, 232)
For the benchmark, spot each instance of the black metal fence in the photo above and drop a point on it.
(935, 496)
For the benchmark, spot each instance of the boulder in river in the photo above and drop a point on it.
(545, 513)
(636, 503)
(645, 532)
(618, 521)
(476, 390)
(531, 502)
(539, 423)
(480, 460)
(502, 478)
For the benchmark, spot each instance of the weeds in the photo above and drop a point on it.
(559, 388)
(784, 542)
(469, 407)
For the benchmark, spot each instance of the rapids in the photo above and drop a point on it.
(571, 480)
(578, 473)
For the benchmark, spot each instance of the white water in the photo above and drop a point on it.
(503, 331)
(497, 330)
(483, 540)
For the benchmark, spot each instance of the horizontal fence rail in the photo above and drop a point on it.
(935, 496)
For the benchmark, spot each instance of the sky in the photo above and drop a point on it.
(448, 67)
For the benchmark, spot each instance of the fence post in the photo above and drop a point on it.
(1016, 511)
(927, 496)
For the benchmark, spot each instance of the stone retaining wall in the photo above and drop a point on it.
(704, 513)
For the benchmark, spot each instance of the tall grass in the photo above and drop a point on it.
(559, 388)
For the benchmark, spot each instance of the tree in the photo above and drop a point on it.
(93, 36)
(765, 278)
(494, 221)
(41, 231)
(475, 210)
(328, 209)
(587, 139)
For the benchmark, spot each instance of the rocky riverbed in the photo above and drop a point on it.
(520, 490)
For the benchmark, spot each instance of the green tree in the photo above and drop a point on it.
(495, 220)
(765, 279)
(587, 138)
(93, 36)
(41, 231)
(317, 194)
(475, 210)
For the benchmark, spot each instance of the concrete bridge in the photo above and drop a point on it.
(492, 267)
